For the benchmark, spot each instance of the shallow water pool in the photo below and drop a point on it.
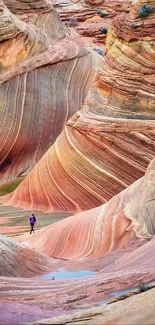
(64, 274)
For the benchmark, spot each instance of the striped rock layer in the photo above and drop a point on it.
(68, 295)
(40, 65)
(17, 261)
(83, 10)
(142, 316)
(30, 6)
(134, 310)
(88, 22)
(110, 227)
(108, 144)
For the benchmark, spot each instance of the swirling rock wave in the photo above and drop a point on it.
(41, 64)
(108, 144)
(84, 16)
(21, 7)
(19, 261)
(83, 10)
(65, 296)
(102, 230)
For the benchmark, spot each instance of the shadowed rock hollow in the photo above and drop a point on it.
(41, 63)
(108, 144)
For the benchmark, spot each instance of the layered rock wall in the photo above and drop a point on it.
(110, 227)
(108, 144)
(41, 64)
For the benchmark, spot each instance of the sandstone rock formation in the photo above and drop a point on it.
(132, 311)
(108, 144)
(40, 64)
(30, 6)
(87, 13)
(96, 232)
(142, 316)
(66, 296)
(104, 148)
(17, 260)
(121, 275)
(84, 10)
(69, 295)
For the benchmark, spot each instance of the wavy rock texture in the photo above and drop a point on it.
(17, 260)
(69, 295)
(10, 313)
(107, 145)
(99, 231)
(83, 10)
(40, 67)
(118, 275)
(124, 312)
(89, 23)
(19, 7)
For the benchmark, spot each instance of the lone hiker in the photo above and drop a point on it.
(32, 221)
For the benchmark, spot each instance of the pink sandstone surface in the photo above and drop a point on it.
(110, 227)
(17, 260)
(118, 270)
(67, 296)
(108, 144)
(37, 82)
(84, 10)
(104, 148)
(118, 314)
(88, 21)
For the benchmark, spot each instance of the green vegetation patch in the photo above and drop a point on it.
(10, 186)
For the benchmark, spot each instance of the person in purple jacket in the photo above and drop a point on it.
(32, 221)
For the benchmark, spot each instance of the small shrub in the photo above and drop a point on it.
(145, 10)
(103, 14)
(73, 22)
(142, 287)
(133, 25)
(104, 31)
